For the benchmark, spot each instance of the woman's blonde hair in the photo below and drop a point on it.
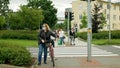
(47, 27)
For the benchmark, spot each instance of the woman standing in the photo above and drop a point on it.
(43, 39)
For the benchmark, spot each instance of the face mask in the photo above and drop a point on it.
(43, 28)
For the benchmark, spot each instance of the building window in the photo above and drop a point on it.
(105, 11)
(80, 16)
(107, 6)
(107, 16)
(113, 26)
(119, 17)
(114, 17)
(101, 5)
(119, 7)
(114, 7)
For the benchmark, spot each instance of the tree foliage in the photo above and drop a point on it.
(32, 17)
(84, 21)
(98, 19)
(2, 21)
(87, 0)
(26, 18)
(49, 11)
(16, 21)
(4, 7)
(4, 10)
(62, 25)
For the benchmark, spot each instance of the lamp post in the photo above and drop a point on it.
(68, 10)
(109, 21)
(89, 31)
(68, 28)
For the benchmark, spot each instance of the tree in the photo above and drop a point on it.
(16, 21)
(2, 21)
(87, 0)
(4, 7)
(66, 24)
(59, 26)
(4, 10)
(98, 19)
(84, 21)
(49, 11)
(32, 17)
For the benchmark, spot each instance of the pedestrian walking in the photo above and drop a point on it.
(61, 36)
(72, 36)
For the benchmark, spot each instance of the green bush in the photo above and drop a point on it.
(14, 54)
(100, 35)
(20, 34)
(82, 35)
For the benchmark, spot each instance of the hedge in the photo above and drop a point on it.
(14, 54)
(100, 35)
(18, 34)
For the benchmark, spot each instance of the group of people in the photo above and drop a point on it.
(61, 36)
(44, 37)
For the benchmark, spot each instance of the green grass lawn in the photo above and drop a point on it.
(25, 43)
(106, 42)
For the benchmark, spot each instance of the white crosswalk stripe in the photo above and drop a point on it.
(79, 50)
(116, 46)
(74, 52)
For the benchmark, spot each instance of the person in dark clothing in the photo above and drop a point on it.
(43, 38)
(72, 36)
(53, 43)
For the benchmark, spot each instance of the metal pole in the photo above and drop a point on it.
(89, 31)
(39, 24)
(68, 28)
(109, 21)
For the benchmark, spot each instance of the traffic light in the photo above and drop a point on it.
(71, 16)
(66, 15)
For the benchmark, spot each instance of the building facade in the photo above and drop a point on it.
(80, 7)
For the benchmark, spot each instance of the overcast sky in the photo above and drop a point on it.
(59, 4)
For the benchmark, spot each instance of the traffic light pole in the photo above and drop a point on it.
(68, 28)
(89, 31)
(109, 21)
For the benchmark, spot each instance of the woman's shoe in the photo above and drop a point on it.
(45, 63)
(39, 63)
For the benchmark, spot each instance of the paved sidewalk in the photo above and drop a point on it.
(81, 62)
(77, 62)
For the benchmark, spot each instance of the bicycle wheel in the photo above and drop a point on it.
(53, 61)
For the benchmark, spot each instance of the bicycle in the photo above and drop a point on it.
(51, 53)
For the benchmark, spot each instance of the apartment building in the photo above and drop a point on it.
(79, 7)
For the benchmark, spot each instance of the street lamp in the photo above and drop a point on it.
(40, 20)
(89, 31)
(109, 21)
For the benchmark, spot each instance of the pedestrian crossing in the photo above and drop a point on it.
(74, 52)
(77, 43)
(79, 50)
(116, 46)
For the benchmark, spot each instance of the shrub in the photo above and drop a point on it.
(82, 35)
(14, 54)
(20, 34)
(100, 35)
